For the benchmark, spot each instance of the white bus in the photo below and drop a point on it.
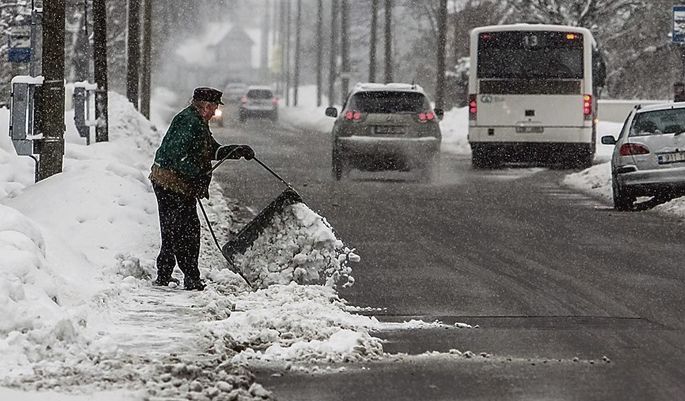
(531, 95)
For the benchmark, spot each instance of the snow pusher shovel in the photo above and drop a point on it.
(251, 231)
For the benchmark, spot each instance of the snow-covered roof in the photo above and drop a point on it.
(393, 86)
(662, 106)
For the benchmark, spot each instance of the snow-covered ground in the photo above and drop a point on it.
(77, 254)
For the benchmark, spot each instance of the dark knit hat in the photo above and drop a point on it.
(208, 95)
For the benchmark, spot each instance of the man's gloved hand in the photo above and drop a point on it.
(245, 152)
(234, 152)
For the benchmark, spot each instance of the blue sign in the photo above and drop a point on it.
(19, 55)
(678, 35)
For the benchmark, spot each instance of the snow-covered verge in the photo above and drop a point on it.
(595, 180)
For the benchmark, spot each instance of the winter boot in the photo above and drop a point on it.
(193, 284)
(164, 281)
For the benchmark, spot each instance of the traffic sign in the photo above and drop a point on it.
(19, 41)
(678, 35)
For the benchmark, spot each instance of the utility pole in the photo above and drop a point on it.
(100, 69)
(334, 53)
(372, 41)
(52, 92)
(289, 23)
(146, 78)
(319, 52)
(264, 45)
(284, 60)
(388, 41)
(298, 33)
(442, 42)
(345, 49)
(133, 52)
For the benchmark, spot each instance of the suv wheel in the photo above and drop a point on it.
(338, 167)
(430, 170)
(622, 200)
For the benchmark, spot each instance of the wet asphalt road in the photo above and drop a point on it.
(573, 301)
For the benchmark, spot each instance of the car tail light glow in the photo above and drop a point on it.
(274, 101)
(587, 107)
(243, 99)
(628, 149)
(426, 116)
(353, 115)
(473, 107)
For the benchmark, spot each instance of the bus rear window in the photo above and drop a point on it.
(389, 102)
(530, 55)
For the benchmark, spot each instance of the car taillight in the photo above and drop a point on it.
(426, 116)
(587, 107)
(274, 101)
(243, 99)
(628, 149)
(353, 115)
(473, 107)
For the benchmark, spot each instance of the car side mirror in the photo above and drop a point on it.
(331, 112)
(608, 140)
(440, 113)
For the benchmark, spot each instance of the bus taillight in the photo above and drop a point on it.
(587, 107)
(473, 107)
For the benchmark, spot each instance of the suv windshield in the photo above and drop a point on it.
(260, 94)
(388, 102)
(671, 121)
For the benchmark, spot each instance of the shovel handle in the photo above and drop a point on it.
(273, 172)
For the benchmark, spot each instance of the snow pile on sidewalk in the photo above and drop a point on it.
(299, 246)
(299, 324)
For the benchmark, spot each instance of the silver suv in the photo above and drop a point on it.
(386, 127)
(258, 101)
(649, 156)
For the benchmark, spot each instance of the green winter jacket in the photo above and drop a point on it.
(185, 155)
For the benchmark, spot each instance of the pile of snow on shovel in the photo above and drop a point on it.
(299, 246)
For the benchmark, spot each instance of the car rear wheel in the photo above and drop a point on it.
(622, 200)
(430, 171)
(339, 166)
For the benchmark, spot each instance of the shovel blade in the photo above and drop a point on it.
(252, 230)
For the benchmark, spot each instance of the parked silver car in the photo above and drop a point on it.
(649, 156)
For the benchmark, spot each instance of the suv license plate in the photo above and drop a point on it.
(526, 130)
(674, 157)
(389, 130)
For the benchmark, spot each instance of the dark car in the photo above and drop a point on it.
(386, 127)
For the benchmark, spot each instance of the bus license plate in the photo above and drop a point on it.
(534, 130)
(674, 157)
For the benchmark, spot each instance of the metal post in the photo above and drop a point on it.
(345, 49)
(442, 41)
(372, 41)
(52, 98)
(388, 41)
(334, 54)
(319, 52)
(288, 25)
(100, 69)
(298, 34)
(133, 52)
(146, 78)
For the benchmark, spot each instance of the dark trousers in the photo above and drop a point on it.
(180, 229)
